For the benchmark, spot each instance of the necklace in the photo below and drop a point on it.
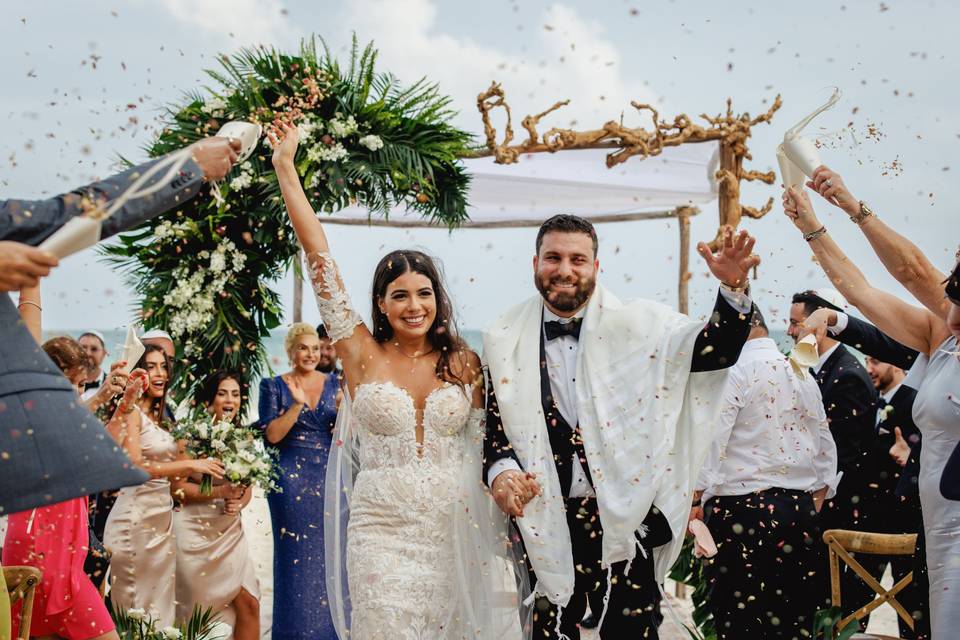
(415, 355)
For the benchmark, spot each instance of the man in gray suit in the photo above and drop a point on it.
(51, 448)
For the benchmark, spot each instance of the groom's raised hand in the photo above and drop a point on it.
(513, 489)
(734, 259)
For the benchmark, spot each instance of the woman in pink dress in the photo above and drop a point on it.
(54, 538)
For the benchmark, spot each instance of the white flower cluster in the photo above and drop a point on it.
(306, 129)
(321, 152)
(214, 106)
(167, 230)
(372, 142)
(342, 129)
(338, 129)
(244, 179)
(193, 299)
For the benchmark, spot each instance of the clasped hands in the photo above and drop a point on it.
(513, 489)
(830, 185)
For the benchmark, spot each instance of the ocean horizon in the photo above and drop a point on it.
(277, 358)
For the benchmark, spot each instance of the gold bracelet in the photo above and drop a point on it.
(813, 235)
(23, 302)
(864, 213)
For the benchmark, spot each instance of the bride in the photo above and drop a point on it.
(426, 551)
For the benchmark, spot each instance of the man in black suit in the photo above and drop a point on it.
(892, 506)
(850, 402)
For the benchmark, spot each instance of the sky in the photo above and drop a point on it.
(86, 83)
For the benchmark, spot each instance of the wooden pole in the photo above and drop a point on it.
(683, 219)
(298, 288)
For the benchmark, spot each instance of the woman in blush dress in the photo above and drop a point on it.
(297, 414)
(139, 530)
(214, 566)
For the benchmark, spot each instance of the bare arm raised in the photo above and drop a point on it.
(903, 259)
(344, 325)
(915, 327)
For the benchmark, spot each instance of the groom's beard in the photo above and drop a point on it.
(568, 300)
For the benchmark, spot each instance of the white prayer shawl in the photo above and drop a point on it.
(646, 421)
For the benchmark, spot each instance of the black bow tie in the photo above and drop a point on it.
(554, 329)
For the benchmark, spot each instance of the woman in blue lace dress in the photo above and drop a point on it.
(298, 411)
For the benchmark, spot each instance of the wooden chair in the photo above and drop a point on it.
(841, 543)
(22, 585)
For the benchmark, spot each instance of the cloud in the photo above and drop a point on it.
(244, 22)
(563, 56)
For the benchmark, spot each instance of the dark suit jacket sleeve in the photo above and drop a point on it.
(33, 221)
(865, 337)
(851, 411)
(719, 344)
(496, 445)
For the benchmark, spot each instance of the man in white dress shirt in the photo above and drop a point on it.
(771, 465)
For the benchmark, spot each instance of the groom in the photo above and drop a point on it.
(599, 414)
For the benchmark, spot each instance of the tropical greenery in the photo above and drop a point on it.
(688, 570)
(137, 624)
(205, 271)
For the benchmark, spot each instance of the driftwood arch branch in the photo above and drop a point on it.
(730, 130)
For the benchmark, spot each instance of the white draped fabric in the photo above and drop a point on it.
(576, 182)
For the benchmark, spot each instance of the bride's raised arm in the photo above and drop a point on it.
(342, 322)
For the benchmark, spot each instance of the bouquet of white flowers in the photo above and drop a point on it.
(245, 460)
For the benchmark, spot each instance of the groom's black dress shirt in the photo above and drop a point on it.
(718, 346)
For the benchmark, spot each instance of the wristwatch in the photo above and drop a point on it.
(865, 212)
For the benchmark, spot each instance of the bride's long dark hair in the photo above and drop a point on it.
(442, 335)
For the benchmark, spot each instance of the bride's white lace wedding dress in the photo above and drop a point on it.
(400, 536)
(422, 544)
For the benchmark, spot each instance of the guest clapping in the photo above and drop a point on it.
(298, 411)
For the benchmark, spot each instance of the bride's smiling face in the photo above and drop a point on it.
(410, 305)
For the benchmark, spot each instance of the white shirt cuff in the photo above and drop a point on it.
(841, 324)
(739, 301)
(832, 484)
(498, 467)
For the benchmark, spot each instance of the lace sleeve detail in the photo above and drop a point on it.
(338, 316)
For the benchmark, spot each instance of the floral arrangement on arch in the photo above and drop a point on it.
(204, 272)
